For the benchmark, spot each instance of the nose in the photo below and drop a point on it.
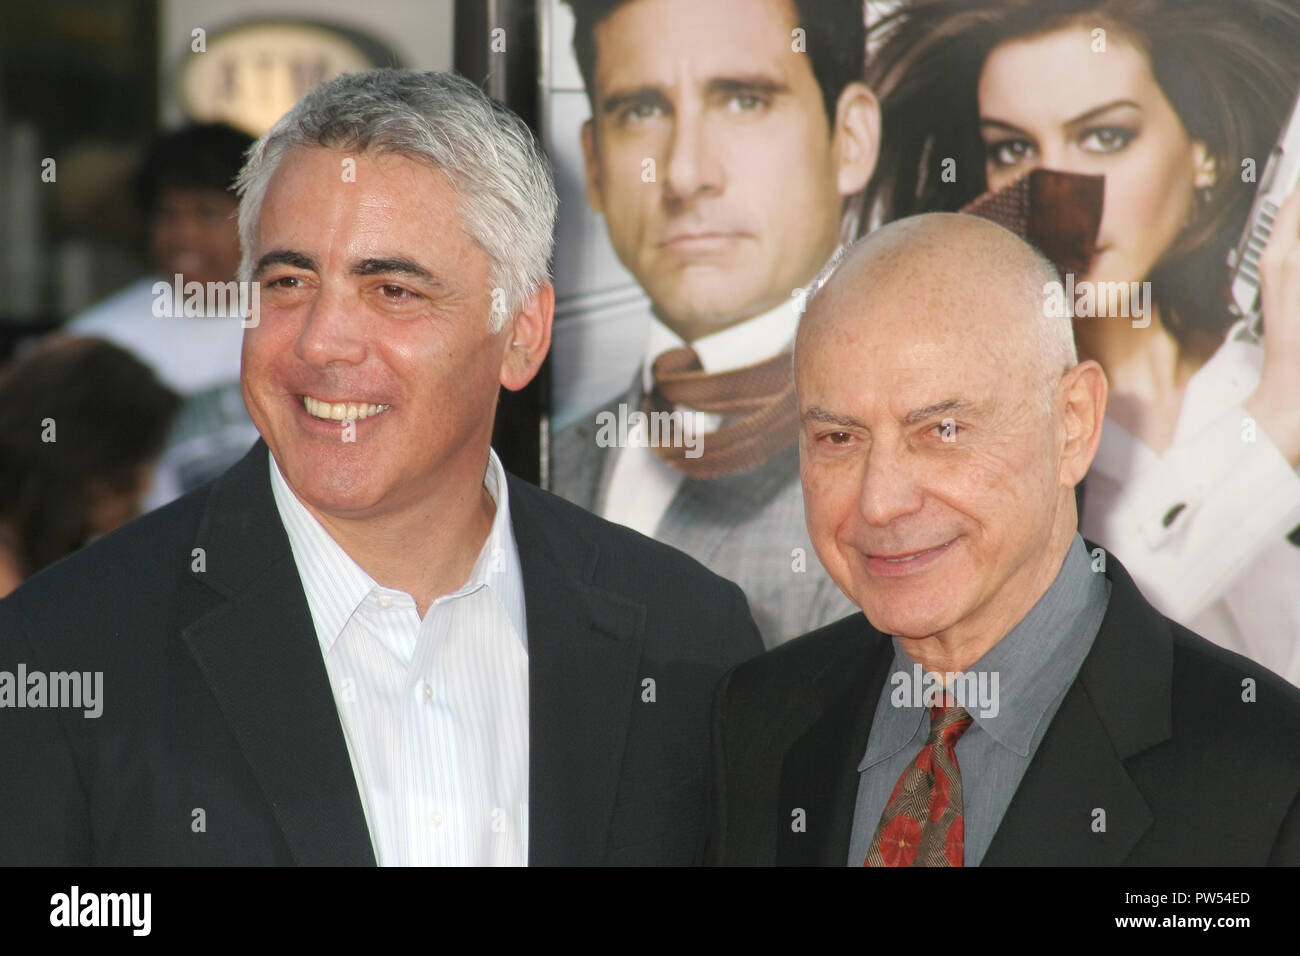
(692, 167)
(331, 332)
(1058, 155)
(890, 484)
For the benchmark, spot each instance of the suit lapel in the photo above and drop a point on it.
(1074, 777)
(1119, 705)
(258, 652)
(584, 648)
(700, 510)
(820, 772)
(580, 465)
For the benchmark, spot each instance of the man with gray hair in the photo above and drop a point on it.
(1009, 696)
(366, 643)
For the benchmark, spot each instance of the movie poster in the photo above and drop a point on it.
(724, 155)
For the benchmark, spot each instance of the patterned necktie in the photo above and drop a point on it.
(923, 824)
(757, 402)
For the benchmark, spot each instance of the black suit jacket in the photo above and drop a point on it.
(216, 697)
(1153, 731)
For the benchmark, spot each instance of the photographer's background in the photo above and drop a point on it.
(90, 83)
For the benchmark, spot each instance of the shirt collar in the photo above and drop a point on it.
(739, 345)
(1035, 663)
(335, 585)
(1040, 656)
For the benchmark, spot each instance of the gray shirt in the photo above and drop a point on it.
(1021, 680)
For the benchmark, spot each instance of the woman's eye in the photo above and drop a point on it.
(1107, 139)
(1008, 152)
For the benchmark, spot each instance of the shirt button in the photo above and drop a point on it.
(435, 819)
(428, 691)
(385, 601)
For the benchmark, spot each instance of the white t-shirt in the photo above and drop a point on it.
(198, 358)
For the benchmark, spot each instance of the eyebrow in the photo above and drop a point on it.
(815, 413)
(284, 257)
(395, 265)
(1077, 120)
(756, 84)
(919, 415)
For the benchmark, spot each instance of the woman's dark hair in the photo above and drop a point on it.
(1231, 71)
(107, 413)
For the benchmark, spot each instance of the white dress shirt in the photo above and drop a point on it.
(435, 711)
(641, 484)
(1202, 526)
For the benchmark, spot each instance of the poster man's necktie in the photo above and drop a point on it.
(923, 824)
(757, 403)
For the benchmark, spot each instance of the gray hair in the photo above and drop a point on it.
(504, 181)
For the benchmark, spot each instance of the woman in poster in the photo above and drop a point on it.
(1177, 103)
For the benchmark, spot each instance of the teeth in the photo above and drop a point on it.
(341, 411)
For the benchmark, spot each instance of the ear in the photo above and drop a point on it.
(1084, 390)
(855, 141)
(529, 338)
(591, 167)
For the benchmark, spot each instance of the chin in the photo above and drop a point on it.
(331, 482)
(708, 301)
(909, 619)
(339, 498)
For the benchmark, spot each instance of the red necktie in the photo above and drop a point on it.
(922, 824)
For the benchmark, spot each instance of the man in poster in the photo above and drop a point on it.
(724, 141)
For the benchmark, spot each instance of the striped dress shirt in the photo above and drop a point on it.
(434, 710)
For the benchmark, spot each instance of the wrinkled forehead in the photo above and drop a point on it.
(883, 331)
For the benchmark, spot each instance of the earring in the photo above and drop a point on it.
(1207, 176)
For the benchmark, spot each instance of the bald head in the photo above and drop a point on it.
(955, 270)
(944, 422)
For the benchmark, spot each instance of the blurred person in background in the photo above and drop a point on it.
(184, 188)
(81, 424)
(1195, 484)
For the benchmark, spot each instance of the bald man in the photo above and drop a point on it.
(1007, 695)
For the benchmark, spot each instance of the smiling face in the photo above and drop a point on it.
(749, 183)
(375, 309)
(1051, 101)
(933, 477)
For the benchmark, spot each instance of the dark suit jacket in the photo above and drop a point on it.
(216, 696)
(1153, 731)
